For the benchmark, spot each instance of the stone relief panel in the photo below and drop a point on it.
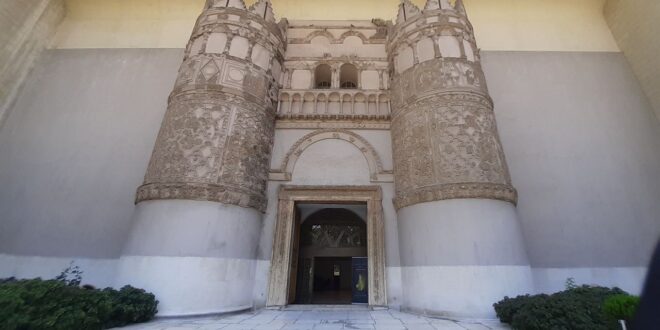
(446, 146)
(220, 146)
(444, 136)
(216, 136)
(436, 75)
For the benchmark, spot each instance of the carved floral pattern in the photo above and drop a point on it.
(444, 136)
(216, 137)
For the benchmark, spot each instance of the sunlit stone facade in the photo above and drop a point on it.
(470, 175)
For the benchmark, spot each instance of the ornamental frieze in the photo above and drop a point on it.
(216, 137)
(435, 76)
(218, 140)
(439, 141)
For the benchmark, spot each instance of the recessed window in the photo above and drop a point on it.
(348, 76)
(323, 76)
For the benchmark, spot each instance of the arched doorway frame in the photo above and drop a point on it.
(280, 264)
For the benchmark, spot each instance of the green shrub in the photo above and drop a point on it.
(130, 305)
(575, 309)
(52, 304)
(621, 306)
(507, 307)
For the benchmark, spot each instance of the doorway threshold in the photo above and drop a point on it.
(295, 307)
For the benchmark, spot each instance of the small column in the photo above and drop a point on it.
(198, 214)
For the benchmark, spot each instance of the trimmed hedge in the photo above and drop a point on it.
(576, 308)
(53, 304)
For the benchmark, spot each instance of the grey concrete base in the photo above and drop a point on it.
(461, 291)
(197, 257)
(97, 272)
(630, 279)
(459, 256)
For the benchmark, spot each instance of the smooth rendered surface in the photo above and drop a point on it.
(583, 148)
(75, 147)
(197, 257)
(580, 138)
(633, 24)
(459, 256)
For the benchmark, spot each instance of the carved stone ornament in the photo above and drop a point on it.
(376, 171)
(444, 136)
(281, 259)
(216, 137)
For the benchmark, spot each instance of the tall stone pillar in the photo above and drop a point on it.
(198, 215)
(460, 241)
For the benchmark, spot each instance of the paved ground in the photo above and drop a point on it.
(320, 318)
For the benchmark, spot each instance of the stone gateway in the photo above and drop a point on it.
(335, 162)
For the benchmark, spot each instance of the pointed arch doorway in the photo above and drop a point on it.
(284, 260)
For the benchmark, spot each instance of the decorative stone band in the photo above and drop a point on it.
(439, 76)
(497, 191)
(201, 192)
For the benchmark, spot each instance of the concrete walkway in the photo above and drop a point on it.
(320, 318)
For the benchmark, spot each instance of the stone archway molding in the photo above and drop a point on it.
(376, 171)
(280, 263)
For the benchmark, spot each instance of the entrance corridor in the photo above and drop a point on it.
(331, 263)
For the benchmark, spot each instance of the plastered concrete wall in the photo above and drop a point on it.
(634, 24)
(26, 28)
(75, 147)
(540, 25)
(580, 139)
(583, 150)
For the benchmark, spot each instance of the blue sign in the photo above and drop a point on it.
(360, 280)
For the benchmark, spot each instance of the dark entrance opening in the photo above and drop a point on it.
(332, 280)
(331, 248)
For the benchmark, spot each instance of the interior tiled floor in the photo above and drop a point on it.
(318, 317)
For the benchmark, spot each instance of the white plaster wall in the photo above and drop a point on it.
(96, 271)
(380, 140)
(583, 149)
(461, 290)
(26, 29)
(459, 256)
(197, 257)
(634, 26)
(580, 139)
(191, 285)
(331, 162)
(630, 279)
(74, 149)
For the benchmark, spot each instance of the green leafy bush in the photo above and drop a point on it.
(507, 307)
(53, 304)
(577, 308)
(130, 305)
(621, 306)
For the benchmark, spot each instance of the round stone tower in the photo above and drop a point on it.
(198, 215)
(460, 241)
